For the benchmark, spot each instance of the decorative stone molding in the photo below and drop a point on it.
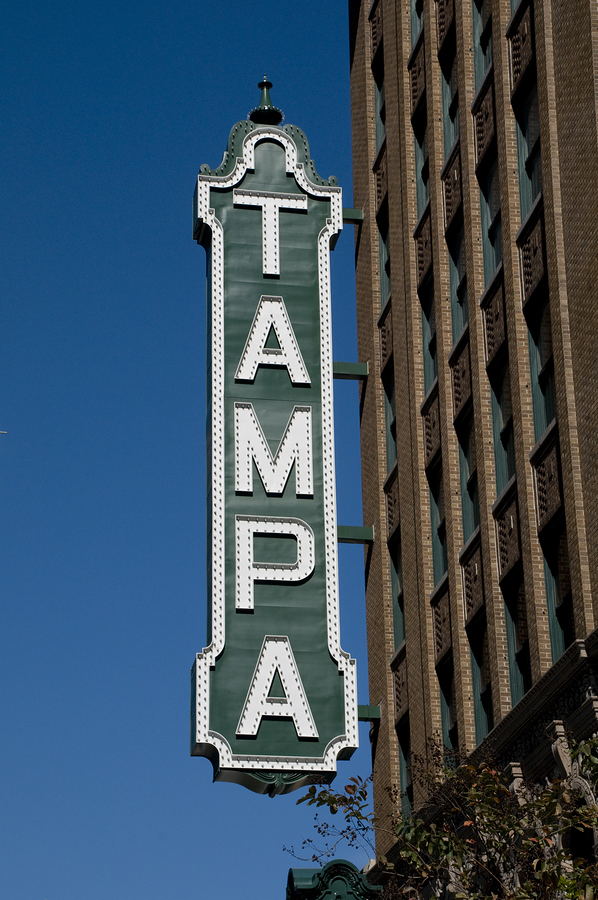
(400, 685)
(385, 330)
(391, 491)
(495, 327)
(442, 623)
(417, 73)
(451, 187)
(461, 375)
(445, 16)
(506, 516)
(423, 240)
(485, 125)
(532, 251)
(473, 582)
(431, 419)
(546, 461)
(567, 692)
(521, 47)
(376, 29)
(381, 176)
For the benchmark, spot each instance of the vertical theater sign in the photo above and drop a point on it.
(273, 695)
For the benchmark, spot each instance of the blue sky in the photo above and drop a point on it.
(108, 111)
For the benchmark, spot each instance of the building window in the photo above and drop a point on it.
(482, 39)
(379, 104)
(528, 151)
(396, 580)
(558, 592)
(541, 364)
(417, 19)
(429, 334)
(405, 766)
(384, 254)
(422, 166)
(491, 223)
(458, 282)
(520, 674)
(480, 672)
(388, 382)
(450, 106)
(446, 682)
(502, 426)
(437, 521)
(470, 504)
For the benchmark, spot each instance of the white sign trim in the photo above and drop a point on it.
(207, 658)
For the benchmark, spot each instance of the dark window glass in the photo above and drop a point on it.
(388, 382)
(446, 681)
(541, 367)
(405, 767)
(480, 672)
(517, 640)
(458, 282)
(558, 592)
(491, 222)
(422, 165)
(502, 425)
(470, 504)
(429, 335)
(417, 19)
(528, 151)
(384, 255)
(482, 39)
(450, 106)
(396, 578)
(437, 521)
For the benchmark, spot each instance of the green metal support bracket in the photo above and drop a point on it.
(354, 534)
(350, 370)
(368, 713)
(352, 216)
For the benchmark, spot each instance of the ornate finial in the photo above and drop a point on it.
(266, 113)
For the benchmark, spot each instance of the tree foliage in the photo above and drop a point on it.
(482, 836)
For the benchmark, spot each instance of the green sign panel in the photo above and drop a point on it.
(273, 695)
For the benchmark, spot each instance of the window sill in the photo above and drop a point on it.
(506, 495)
(420, 222)
(415, 49)
(469, 546)
(530, 220)
(440, 589)
(385, 310)
(430, 397)
(459, 345)
(482, 90)
(391, 477)
(450, 160)
(516, 17)
(544, 444)
(398, 656)
(493, 284)
(379, 154)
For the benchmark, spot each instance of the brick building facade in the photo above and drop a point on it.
(475, 142)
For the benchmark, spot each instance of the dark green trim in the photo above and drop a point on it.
(354, 534)
(338, 878)
(350, 370)
(352, 216)
(368, 713)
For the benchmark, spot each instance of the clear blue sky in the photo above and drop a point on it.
(108, 110)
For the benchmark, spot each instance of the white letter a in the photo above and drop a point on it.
(276, 656)
(272, 313)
